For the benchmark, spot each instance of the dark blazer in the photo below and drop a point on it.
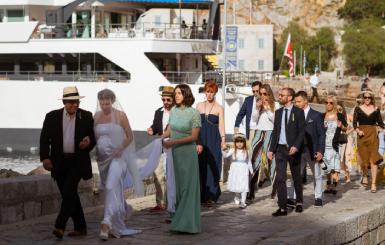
(51, 141)
(157, 123)
(336, 137)
(246, 110)
(295, 131)
(315, 132)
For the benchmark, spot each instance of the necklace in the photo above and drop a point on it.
(207, 114)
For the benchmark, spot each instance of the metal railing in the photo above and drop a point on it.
(239, 78)
(147, 30)
(69, 76)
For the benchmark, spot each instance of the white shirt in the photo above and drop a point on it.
(254, 116)
(266, 119)
(68, 133)
(166, 116)
(306, 111)
(314, 81)
(282, 136)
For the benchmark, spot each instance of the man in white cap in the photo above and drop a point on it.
(66, 139)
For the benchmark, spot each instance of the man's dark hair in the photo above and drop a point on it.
(290, 92)
(256, 83)
(188, 97)
(302, 94)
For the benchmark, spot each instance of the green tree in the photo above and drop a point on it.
(354, 10)
(324, 38)
(364, 46)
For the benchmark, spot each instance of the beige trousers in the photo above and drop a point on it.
(160, 183)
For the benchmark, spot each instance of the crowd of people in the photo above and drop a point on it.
(185, 160)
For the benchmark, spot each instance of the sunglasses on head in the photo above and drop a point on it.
(166, 99)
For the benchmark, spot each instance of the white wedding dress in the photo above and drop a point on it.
(116, 175)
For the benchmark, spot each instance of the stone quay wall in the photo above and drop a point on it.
(28, 197)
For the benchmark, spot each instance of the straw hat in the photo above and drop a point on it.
(167, 91)
(367, 91)
(71, 93)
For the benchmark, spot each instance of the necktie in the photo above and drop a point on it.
(286, 111)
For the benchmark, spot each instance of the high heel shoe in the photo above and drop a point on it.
(364, 181)
(373, 189)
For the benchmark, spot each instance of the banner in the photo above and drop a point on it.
(231, 47)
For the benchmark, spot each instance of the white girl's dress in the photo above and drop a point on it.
(240, 168)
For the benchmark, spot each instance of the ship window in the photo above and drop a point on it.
(15, 15)
(1, 15)
(158, 20)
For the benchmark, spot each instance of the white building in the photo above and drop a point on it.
(254, 48)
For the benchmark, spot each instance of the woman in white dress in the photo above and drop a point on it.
(115, 150)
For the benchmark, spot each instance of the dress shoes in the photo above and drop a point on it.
(290, 203)
(280, 212)
(299, 208)
(59, 233)
(157, 208)
(318, 203)
(76, 233)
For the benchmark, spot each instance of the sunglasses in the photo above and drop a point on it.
(367, 97)
(263, 93)
(255, 91)
(329, 103)
(282, 95)
(72, 101)
(166, 100)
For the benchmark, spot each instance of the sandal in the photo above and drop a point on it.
(364, 183)
(373, 189)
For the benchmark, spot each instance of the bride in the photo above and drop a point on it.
(115, 150)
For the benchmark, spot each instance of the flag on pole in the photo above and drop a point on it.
(289, 53)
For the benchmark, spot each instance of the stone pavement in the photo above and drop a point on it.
(353, 216)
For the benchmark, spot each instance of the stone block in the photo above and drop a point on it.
(50, 206)
(12, 213)
(363, 224)
(330, 235)
(365, 239)
(340, 233)
(374, 219)
(382, 215)
(32, 209)
(373, 237)
(351, 227)
(46, 187)
(381, 233)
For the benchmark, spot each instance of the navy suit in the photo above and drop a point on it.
(295, 132)
(246, 110)
(315, 132)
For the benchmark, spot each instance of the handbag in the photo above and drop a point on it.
(343, 138)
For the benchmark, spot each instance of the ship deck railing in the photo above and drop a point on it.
(68, 76)
(139, 30)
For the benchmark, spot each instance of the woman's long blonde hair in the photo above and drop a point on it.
(270, 93)
(335, 101)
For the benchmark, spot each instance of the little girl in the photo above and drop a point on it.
(240, 168)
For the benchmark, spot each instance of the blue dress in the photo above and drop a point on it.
(210, 160)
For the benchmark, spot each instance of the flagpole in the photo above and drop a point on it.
(224, 56)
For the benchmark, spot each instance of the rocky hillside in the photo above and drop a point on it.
(311, 14)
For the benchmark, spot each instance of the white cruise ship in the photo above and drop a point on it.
(130, 46)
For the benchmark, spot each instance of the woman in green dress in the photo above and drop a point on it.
(183, 131)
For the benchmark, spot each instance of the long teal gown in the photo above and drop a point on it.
(187, 216)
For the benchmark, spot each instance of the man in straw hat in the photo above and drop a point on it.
(66, 139)
(158, 126)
